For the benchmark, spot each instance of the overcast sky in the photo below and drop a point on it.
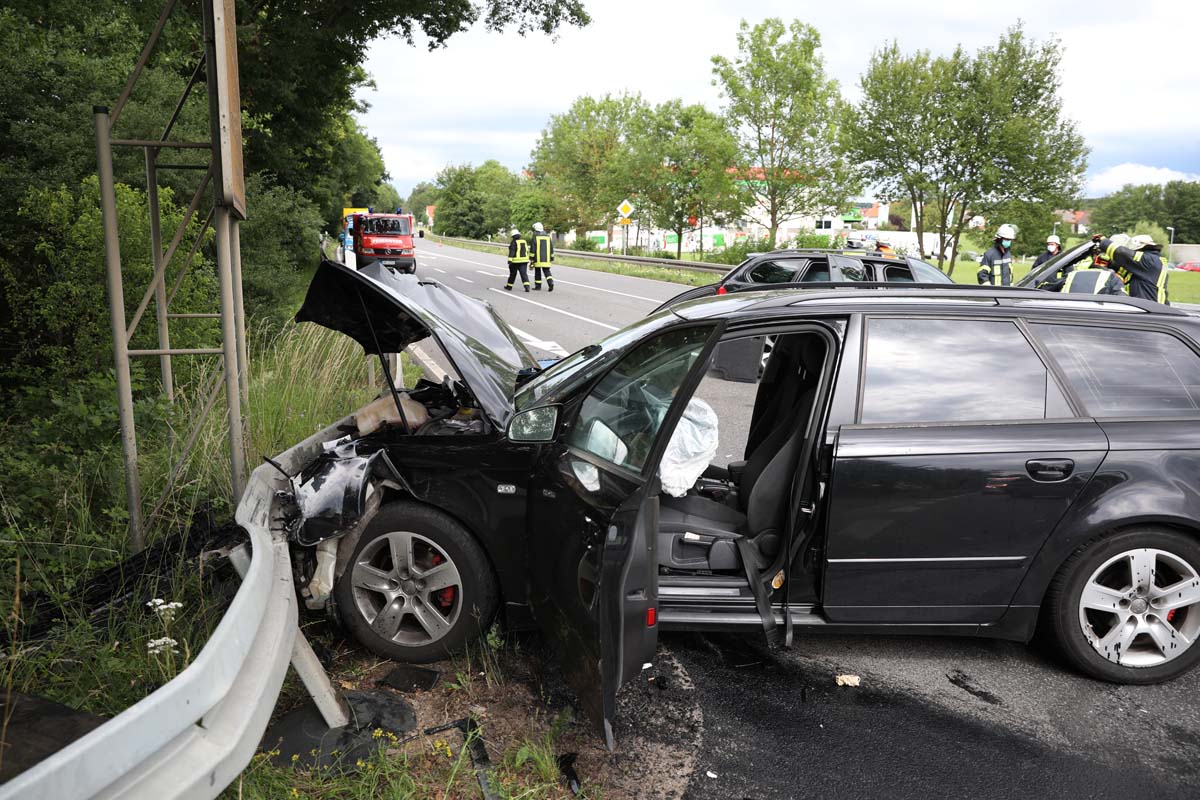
(1131, 76)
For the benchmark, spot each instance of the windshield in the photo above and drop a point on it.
(396, 226)
(584, 364)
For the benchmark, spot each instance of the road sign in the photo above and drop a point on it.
(626, 221)
(625, 209)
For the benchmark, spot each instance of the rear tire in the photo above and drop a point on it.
(417, 586)
(1126, 608)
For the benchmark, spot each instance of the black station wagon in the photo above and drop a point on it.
(968, 461)
(801, 267)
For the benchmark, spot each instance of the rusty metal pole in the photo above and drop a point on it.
(116, 308)
(160, 290)
(233, 395)
(235, 250)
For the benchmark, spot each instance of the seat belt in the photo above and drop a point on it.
(762, 599)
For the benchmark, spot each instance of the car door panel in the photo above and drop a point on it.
(590, 527)
(938, 523)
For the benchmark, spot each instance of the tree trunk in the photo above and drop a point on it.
(679, 244)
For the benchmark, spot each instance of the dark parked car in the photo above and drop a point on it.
(798, 268)
(966, 461)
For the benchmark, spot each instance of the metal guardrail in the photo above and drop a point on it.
(695, 266)
(192, 737)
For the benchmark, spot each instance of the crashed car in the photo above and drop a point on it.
(964, 461)
(802, 268)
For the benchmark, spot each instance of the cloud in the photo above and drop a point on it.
(1107, 181)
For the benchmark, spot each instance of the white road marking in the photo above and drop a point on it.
(492, 274)
(533, 341)
(466, 280)
(435, 269)
(560, 280)
(552, 308)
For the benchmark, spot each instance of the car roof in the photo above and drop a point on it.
(866, 296)
(825, 251)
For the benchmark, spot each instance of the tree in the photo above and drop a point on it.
(497, 185)
(1034, 221)
(988, 131)
(1181, 210)
(787, 114)
(682, 156)
(460, 203)
(424, 194)
(1122, 209)
(582, 158)
(533, 203)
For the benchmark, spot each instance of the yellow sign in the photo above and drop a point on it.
(625, 209)
(346, 212)
(626, 220)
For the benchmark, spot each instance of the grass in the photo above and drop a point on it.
(1184, 287)
(687, 277)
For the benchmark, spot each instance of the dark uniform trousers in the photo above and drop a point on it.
(518, 263)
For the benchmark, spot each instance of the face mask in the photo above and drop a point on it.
(1006, 242)
(1053, 248)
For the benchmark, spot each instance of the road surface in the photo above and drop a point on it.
(933, 717)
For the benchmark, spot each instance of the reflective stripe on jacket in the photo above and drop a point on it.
(543, 250)
(1142, 270)
(996, 267)
(1092, 281)
(518, 251)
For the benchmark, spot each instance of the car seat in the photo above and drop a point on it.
(697, 532)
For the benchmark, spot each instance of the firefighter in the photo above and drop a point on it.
(543, 257)
(518, 260)
(1053, 248)
(996, 266)
(1139, 263)
(1095, 278)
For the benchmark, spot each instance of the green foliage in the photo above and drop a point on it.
(279, 243)
(787, 115)
(423, 194)
(497, 186)
(582, 159)
(533, 203)
(1152, 229)
(1176, 204)
(460, 204)
(965, 134)
(681, 155)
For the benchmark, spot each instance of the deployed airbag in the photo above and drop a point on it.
(692, 447)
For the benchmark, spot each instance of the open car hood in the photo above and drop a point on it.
(385, 312)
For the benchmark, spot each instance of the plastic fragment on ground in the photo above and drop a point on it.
(847, 680)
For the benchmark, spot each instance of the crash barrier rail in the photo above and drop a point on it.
(695, 266)
(192, 737)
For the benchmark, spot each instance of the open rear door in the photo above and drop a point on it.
(593, 516)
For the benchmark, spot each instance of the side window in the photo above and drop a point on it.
(1117, 372)
(894, 273)
(817, 272)
(851, 268)
(927, 273)
(620, 417)
(768, 271)
(933, 370)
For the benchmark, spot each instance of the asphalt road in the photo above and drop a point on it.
(933, 717)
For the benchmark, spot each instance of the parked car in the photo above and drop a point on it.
(1189, 266)
(963, 461)
(799, 268)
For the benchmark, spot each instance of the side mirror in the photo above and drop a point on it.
(534, 425)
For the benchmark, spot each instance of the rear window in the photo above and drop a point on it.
(928, 273)
(1118, 372)
(939, 370)
(773, 271)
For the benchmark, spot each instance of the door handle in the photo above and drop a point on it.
(1049, 470)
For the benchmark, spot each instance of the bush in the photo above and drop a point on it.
(585, 245)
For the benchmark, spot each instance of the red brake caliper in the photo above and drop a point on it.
(445, 597)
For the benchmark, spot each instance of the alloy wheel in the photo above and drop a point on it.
(1141, 608)
(406, 588)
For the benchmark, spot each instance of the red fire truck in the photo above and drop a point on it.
(386, 238)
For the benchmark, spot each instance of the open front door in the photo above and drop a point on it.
(593, 515)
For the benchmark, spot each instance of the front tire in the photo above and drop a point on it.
(417, 587)
(1126, 608)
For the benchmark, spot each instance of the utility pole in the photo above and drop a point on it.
(1171, 245)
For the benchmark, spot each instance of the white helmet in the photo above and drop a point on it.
(537, 226)
(1120, 240)
(1052, 239)
(1006, 231)
(1140, 241)
(514, 232)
